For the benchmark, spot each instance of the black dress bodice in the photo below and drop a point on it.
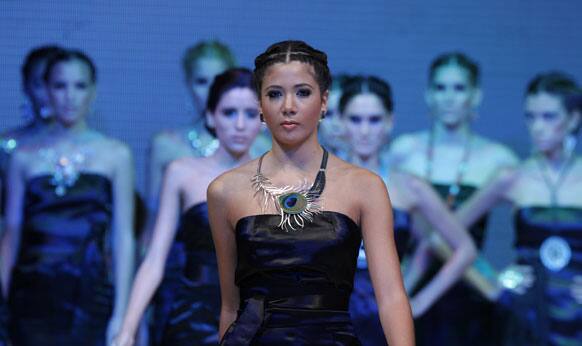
(192, 303)
(550, 241)
(477, 231)
(62, 278)
(295, 286)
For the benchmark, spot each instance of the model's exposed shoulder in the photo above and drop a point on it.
(409, 141)
(168, 136)
(235, 179)
(496, 150)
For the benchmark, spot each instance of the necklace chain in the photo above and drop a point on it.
(455, 187)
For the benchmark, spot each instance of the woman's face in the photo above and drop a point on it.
(36, 89)
(451, 97)
(367, 124)
(291, 102)
(203, 70)
(71, 91)
(236, 120)
(548, 121)
(332, 128)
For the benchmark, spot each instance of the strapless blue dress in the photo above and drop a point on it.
(363, 307)
(549, 240)
(461, 316)
(61, 292)
(195, 312)
(295, 286)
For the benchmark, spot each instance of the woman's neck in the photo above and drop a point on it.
(304, 157)
(556, 158)
(371, 162)
(65, 132)
(456, 135)
(228, 160)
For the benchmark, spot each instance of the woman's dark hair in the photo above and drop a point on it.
(558, 84)
(36, 56)
(70, 55)
(287, 51)
(456, 58)
(366, 85)
(214, 49)
(226, 81)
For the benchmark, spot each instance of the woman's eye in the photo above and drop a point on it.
(82, 85)
(58, 85)
(460, 87)
(549, 115)
(528, 116)
(200, 81)
(303, 92)
(228, 112)
(375, 119)
(252, 113)
(354, 119)
(273, 94)
(438, 87)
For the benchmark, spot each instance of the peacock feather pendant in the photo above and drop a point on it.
(297, 205)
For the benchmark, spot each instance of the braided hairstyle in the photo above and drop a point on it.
(287, 51)
(366, 85)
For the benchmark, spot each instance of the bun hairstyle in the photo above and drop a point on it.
(67, 55)
(559, 84)
(226, 81)
(459, 59)
(212, 49)
(358, 85)
(287, 51)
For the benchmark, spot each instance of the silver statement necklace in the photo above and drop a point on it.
(66, 168)
(201, 146)
(296, 204)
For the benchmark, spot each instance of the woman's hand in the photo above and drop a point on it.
(113, 329)
(516, 278)
(123, 339)
(419, 305)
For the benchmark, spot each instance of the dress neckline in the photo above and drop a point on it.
(345, 216)
(42, 176)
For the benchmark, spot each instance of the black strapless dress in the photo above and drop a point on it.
(549, 240)
(363, 307)
(461, 316)
(195, 313)
(3, 321)
(170, 285)
(295, 286)
(61, 292)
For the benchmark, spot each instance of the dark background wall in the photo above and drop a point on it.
(137, 46)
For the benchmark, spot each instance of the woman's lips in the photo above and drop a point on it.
(289, 125)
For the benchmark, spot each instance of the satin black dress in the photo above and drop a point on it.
(363, 307)
(461, 316)
(295, 286)
(549, 240)
(3, 321)
(195, 313)
(170, 285)
(61, 292)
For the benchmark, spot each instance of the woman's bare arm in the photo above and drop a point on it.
(226, 252)
(377, 228)
(429, 204)
(15, 189)
(122, 233)
(151, 270)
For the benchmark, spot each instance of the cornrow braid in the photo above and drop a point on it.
(287, 51)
